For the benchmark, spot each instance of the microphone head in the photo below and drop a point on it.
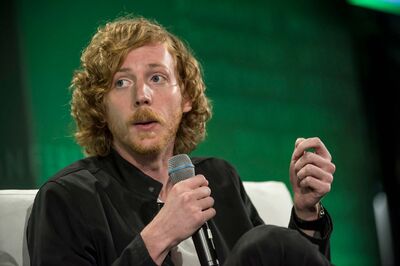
(180, 167)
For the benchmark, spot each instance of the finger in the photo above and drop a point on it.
(315, 159)
(321, 149)
(201, 192)
(195, 182)
(208, 214)
(297, 152)
(318, 187)
(206, 203)
(295, 156)
(316, 172)
(298, 141)
(312, 143)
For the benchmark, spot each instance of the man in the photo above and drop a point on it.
(139, 99)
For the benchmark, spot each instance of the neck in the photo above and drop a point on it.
(154, 165)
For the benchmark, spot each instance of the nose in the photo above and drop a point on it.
(142, 94)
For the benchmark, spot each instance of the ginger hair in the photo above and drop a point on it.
(100, 61)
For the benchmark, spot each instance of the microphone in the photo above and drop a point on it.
(180, 167)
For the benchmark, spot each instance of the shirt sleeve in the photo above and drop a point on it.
(323, 232)
(135, 254)
(58, 234)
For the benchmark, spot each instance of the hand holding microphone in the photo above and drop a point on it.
(181, 169)
(187, 207)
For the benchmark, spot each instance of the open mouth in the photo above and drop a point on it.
(144, 123)
(145, 119)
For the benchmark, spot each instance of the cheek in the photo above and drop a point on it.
(113, 114)
(115, 106)
(107, 110)
(115, 123)
(178, 100)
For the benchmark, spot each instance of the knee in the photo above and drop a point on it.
(271, 245)
(262, 243)
(269, 237)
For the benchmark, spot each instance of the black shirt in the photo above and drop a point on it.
(92, 213)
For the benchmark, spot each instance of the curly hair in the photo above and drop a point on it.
(100, 61)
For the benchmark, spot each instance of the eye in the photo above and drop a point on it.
(121, 83)
(158, 79)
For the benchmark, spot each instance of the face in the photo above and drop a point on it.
(145, 104)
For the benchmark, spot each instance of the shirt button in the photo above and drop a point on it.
(151, 189)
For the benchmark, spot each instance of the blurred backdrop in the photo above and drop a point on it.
(275, 70)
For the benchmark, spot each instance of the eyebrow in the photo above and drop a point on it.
(152, 65)
(125, 69)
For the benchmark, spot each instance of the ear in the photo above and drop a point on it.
(186, 105)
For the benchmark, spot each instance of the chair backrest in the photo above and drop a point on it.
(271, 199)
(15, 207)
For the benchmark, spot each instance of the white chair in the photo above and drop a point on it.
(15, 208)
(271, 199)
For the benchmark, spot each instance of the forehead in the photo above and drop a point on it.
(150, 55)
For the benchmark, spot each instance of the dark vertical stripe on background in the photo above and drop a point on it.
(15, 162)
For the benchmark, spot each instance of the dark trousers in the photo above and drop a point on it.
(272, 246)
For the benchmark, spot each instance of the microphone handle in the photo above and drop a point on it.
(204, 245)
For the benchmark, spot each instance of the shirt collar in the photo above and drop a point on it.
(130, 176)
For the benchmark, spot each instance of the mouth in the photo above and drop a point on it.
(146, 119)
(145, 124)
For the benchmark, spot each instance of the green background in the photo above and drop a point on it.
(274, 71)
